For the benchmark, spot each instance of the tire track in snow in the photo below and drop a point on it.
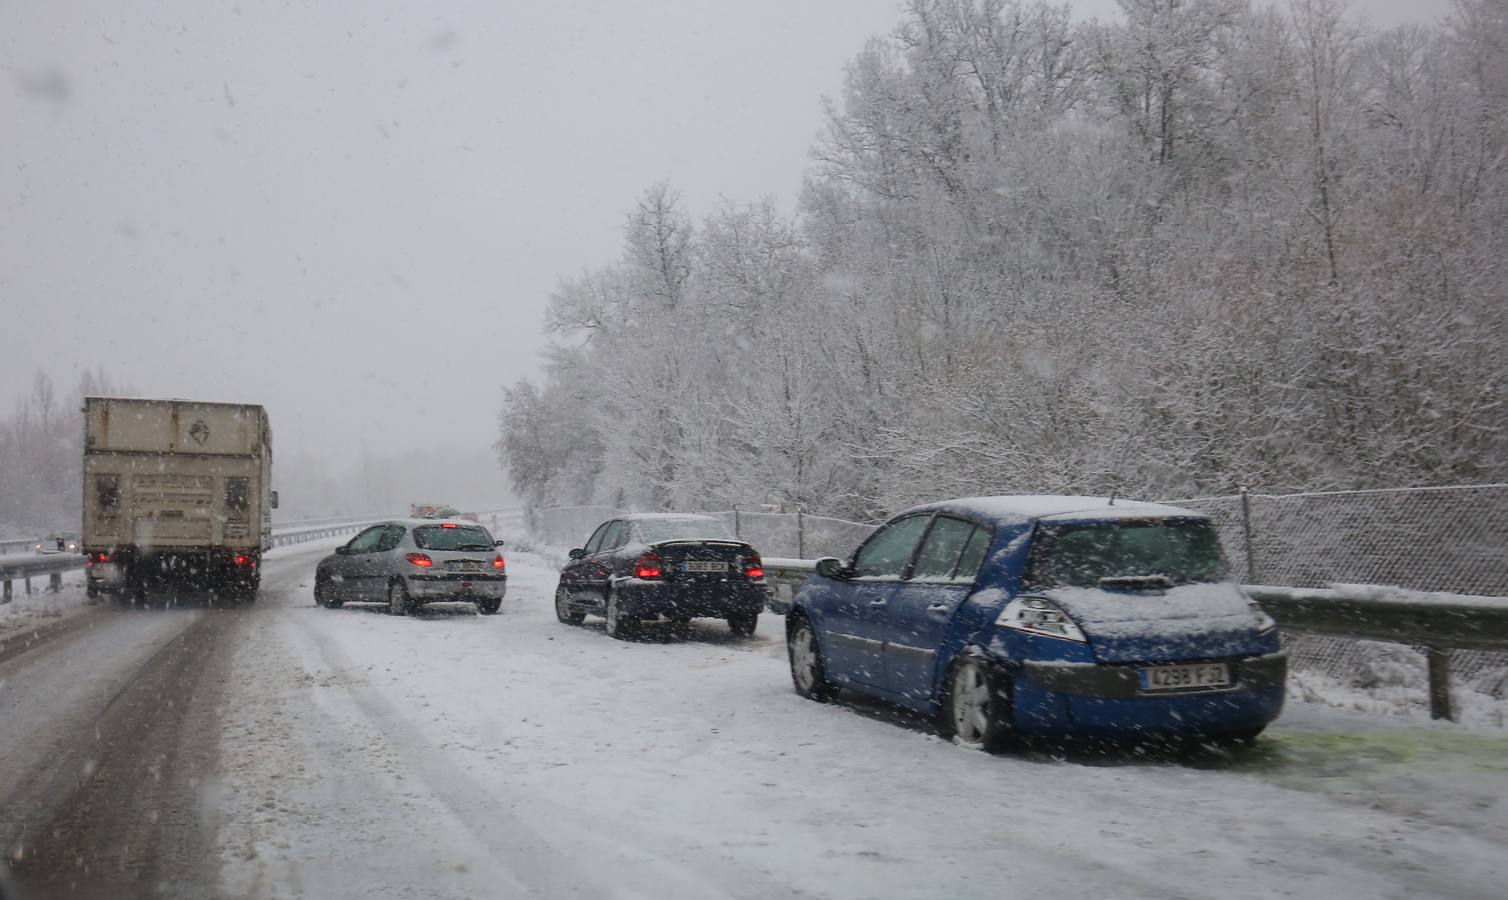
(548, 865)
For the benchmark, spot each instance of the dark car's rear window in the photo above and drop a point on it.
(454, 537)
(673, 529)
(1083, 555)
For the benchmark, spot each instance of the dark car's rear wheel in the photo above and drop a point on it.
(743, 624)
(807, 670)
(976, 709)
(563, 610)
(619, 625)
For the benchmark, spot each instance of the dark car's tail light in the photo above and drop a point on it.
(421, 560)
(753, 566)
(648, 566)
(499, 563)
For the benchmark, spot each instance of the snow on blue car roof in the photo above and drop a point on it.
(1058, 507)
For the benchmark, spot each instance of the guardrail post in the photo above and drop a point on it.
(55, 582)
(6, 593)
(27, 579)
(1251, 560)
(1439, 683)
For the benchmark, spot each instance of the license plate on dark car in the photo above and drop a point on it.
(706, 565)
(1186, 678)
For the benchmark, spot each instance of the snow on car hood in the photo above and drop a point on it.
(1187, 609)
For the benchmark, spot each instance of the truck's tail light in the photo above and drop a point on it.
(421, 560)
(499, 563)
(753, 566)
(98, 558)
(649, 566)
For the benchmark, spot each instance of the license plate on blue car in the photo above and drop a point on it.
(1186, 678)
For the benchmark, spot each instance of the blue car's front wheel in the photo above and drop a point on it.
(807, 670)
(976, 709)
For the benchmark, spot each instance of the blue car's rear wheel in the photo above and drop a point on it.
(976, 709)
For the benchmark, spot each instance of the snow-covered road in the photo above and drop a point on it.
(456, 755)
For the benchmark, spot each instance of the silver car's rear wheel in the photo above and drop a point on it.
(398, 602)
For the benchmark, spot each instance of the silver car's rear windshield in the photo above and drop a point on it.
(1183, 552)
(652, 530)
(452, 537)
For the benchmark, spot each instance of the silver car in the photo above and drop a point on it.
(407, 563)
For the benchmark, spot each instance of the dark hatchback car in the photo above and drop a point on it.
(675, 567)
(1020, 615)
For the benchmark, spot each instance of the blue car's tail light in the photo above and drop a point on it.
(1036, 615)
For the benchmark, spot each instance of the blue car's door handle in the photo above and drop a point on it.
(878, 602)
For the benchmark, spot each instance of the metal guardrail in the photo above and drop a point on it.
(26, 568)
(1437, 622)
(18, 545)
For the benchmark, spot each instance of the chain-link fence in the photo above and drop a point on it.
(1450, 539)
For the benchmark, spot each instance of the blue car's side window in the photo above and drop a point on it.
(973, 555)
(887, 553)
(945, 542)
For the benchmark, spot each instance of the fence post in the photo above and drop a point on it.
(736, 532)
(1251, 560)
(1439, 683)
(800, 534)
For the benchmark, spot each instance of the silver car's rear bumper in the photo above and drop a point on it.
(456, 586)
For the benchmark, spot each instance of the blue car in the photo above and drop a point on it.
(1042, 615)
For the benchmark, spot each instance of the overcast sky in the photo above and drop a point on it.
(354, 212)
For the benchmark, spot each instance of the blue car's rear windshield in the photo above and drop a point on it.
(1183, 552)
(457, 537)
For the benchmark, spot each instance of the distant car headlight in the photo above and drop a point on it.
(1036, 615)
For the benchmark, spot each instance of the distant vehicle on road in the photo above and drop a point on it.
(407, 563)
(59, 542)
(432, 511)
(678, 567)
(1042, 615)
(176, 492)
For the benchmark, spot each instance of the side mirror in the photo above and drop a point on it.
(498, 544)
(578, 553)
(831, 567)
(342, 550)
(274, 499)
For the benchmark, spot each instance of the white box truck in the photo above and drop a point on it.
(176, 493)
